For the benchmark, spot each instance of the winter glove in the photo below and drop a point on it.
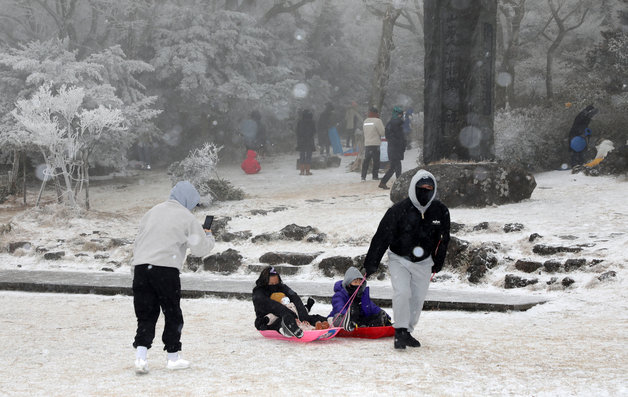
(437, 268)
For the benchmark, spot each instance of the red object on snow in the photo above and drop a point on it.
(250, 165)
(368, 332)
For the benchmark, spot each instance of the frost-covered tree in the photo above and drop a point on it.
(106, 78)
(65, 132)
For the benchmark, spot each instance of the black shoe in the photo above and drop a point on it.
(383, 186)
(410, 341)
(309, 304)
(400, 338)
(291, 329)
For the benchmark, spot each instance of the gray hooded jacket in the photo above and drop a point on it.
(168, 229)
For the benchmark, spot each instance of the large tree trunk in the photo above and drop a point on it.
(549, 66)
(382, 68)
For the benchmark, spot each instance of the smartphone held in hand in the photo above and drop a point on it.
(208, 222)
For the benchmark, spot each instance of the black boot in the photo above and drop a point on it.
(410, 341)
(400, 338)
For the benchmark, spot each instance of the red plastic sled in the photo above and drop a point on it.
(368, 332)
(308, 336)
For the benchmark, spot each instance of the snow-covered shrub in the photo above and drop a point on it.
(199, 167)
(534, 138)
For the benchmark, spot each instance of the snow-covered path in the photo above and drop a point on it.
(74, 345)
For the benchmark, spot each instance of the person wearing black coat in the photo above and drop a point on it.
(273, 315)
(326, 120)
(396, 145)
(416, 233)
(306, 129)
(580, 127)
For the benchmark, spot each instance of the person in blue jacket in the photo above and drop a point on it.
(362, 312)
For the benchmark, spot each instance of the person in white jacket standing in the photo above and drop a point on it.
(166, 232)
(373, 132)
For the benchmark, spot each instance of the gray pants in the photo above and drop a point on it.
(410, 282)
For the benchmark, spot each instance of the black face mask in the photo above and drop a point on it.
(351, 289)
(424, 196)
(274, 288)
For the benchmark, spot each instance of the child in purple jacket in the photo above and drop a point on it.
(362, 312)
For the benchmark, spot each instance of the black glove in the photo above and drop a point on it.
(309, 304)
(437, 268)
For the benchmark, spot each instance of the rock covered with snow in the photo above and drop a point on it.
(472, 184)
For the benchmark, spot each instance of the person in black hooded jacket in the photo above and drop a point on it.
(273, 315)
(416, 230)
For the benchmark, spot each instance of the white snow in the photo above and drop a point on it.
(56, 344)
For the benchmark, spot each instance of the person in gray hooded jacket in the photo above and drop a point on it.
(166, 232)
(416, 233)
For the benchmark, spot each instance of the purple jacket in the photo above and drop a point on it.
(341, 296)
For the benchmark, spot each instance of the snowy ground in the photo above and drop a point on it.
(80, 345)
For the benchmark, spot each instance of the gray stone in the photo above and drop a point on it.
(568, 237)
(456, 253)
(119, 242)
(335, 265)
(192, 263)
(552, 265)
(543, 249)
(573, 264)
(265, 237)
(455, 227)
(527, 266)
(480, 226)
(316, 238)
(284, 270)
(513, 227)
(19, 244)
(101, 256)
(607, 276)
(295, 232)
(482, 259)
(512, 281)
(226, 262)
(41, 250)
(292, 258)
(219, 225)
(107, 269)
(472, 185)
(552, 281)
(54, 256)
(441, 277)
(80, 254)
(229, 237)
(534, 236)
(567, 281)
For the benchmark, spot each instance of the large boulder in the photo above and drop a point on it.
(472, 184)
(226, 262)
(292, 258)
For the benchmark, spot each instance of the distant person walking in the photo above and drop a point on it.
(373, 132)
(326, 120)
(166, 231)
(415, 232)
(306, 129)
(352, 120)
(396, 145)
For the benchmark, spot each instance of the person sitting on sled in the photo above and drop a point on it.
(362, 312)
(273, 315)
(304, 325)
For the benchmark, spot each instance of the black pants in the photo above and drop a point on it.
(156, 287)
(370, 153)
(395, 168)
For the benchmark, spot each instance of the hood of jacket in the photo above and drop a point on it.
(412, 190)
(351, 274)
(251, 154)
(186, 194)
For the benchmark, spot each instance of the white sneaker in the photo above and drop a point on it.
(179, 364)
(141, 366)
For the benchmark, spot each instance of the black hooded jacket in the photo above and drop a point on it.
(264, 305)
(407, 225)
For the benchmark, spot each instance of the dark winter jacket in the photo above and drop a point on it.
(341, 297)
(409, 224)
(250, 165)
(325, 122)
(396, 138)
(264, 305)
(306, 129)
(582, 120)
